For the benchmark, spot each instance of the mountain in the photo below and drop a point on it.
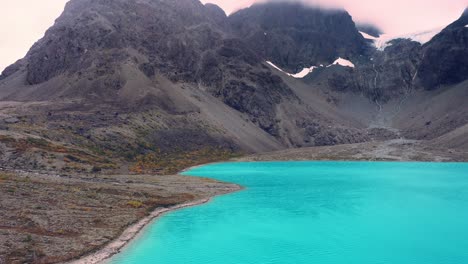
(148, 83)
(407, 69)
(294, 36)
(445, 57)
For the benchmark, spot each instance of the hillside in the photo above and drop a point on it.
(150, 83)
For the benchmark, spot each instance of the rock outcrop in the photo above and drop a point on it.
(445, 57)
(294, 36)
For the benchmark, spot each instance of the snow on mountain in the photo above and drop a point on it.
(425, 36)
(276, 67)
(298, 75)
(343, 62)
(306, 71)
(367, 36)
(422, 37)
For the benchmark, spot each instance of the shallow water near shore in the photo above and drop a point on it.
(317, 212)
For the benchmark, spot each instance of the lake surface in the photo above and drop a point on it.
(318, 212)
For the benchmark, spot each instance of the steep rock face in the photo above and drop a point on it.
(405, 65)
(182, 40)
(157, 29)
(445, 57)
(143, 56)
(390, 74)
(10, 70)
(294, 36)
(380, 76)
(462, 21)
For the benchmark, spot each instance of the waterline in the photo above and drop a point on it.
(318, 212)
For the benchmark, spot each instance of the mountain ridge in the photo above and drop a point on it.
(131, 78)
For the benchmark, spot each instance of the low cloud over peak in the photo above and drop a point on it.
(392, 16)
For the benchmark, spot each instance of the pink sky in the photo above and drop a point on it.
(392, 16)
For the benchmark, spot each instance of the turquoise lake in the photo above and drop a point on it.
(318, 212)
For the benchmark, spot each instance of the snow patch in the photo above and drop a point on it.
(367, 36)
(425, 36)
(276, 67)
(343, 62)
(304, 72)
(422, 37)
(298, 75)
(307, 71)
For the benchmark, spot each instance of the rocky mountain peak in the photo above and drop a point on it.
(445, 60)
(462, 21)
(88, 29)
(294, 36)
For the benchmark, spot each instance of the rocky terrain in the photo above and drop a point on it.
(150, 87)
(49, 219)
(294, 37)
(390, 150)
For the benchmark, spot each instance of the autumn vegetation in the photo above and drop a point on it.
(162, 163)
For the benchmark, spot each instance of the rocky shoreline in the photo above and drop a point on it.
(74, 219)
(57, 219)
(117, 245)
(131, 233)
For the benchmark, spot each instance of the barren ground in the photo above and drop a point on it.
(392, 150)
(50, 219)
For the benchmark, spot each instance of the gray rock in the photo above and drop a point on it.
(11, 120)
(294, 36)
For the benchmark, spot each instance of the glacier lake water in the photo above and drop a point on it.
(317, 212)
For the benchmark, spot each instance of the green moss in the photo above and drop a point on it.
(37, 142)
(135, 204)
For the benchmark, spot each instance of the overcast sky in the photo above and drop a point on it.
(22, 22)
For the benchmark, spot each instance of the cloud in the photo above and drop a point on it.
(392, 16)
